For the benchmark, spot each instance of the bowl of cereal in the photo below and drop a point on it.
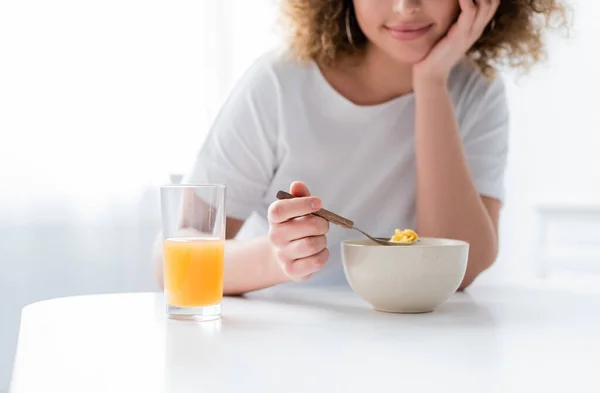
(416, 278)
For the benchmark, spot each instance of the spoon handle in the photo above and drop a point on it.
(326, 214)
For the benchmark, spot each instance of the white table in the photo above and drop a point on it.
(487, 340)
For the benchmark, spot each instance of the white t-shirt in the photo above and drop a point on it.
(284, 122)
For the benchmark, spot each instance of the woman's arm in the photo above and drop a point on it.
(249, 265)
(294, 249)
(448, 204)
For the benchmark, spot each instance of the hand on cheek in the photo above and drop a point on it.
(474, 17)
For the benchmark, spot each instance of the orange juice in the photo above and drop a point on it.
(194, 271)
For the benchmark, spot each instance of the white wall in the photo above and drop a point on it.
(555, 139)
(88, 93)
(99, 102)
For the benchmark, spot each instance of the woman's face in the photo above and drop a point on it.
(405, 29)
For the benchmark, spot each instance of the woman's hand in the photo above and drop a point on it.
(297, 236)
(474, 17)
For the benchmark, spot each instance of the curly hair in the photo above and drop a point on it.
(514, 37)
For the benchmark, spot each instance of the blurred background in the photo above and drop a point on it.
(102, 101)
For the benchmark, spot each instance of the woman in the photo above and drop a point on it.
(389, 111)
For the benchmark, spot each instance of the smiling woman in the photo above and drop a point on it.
(405, 88)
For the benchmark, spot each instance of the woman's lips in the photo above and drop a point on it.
(409, 32)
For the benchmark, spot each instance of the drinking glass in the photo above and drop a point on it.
(193, 224)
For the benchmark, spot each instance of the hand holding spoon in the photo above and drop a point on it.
(346, 223)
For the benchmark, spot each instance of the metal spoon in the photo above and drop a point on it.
(346, 223)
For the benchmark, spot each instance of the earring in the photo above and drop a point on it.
(493, 24)
(348, 30)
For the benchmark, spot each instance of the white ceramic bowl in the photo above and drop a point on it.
(405, 279)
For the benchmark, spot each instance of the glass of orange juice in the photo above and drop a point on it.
(193, 224)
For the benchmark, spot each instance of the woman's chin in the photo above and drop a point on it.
(409, 56)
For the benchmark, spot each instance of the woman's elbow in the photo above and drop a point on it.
(471, 275)
(477, 265)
